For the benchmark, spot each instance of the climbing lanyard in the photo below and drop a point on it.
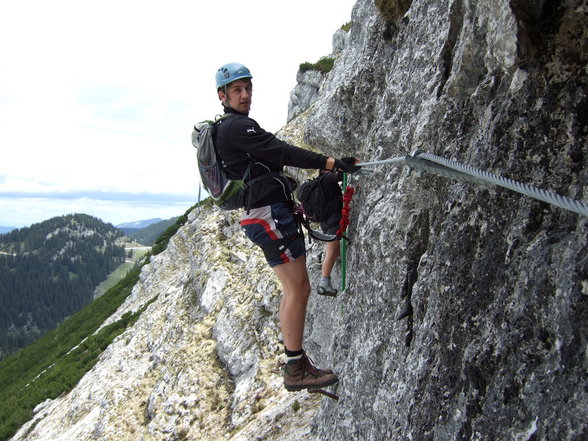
(349, 190)
(438, 165)
(343, 247)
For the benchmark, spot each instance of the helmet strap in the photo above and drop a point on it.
(225, 90)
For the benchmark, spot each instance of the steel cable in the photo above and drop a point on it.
(452, 169)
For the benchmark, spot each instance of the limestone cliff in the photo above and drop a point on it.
(495, 346)
(309, 82)
(466, 309)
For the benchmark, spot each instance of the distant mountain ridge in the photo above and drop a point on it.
(148, 235)
(49, 270)
(139, 224)
(147, 231)
(4, 230)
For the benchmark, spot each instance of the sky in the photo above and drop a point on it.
(98, 99)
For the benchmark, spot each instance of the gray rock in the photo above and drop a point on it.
(495, 347)
(305, 93)
(308, 83)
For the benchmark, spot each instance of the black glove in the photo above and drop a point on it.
(346, 164)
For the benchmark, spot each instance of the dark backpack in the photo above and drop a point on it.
(226, 193)
(316, 206)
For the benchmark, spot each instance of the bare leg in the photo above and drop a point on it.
(332, 250)
(296, 289)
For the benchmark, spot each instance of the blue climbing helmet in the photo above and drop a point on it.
(231, 72)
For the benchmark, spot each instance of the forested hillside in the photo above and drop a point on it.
(49, 271)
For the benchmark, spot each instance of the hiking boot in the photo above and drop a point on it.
(326, 289)
(303, 374)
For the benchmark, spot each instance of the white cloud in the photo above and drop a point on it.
(102, 96)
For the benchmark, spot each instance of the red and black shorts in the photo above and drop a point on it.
(274, 228)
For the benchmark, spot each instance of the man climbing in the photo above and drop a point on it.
(268, 219)
(331, 191)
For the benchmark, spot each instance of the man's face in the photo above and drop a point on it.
(238, 95)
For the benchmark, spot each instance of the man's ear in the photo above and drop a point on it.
(221, 95)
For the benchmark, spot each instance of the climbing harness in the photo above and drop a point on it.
(312, 234)
(438, 165)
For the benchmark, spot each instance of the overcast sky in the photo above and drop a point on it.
(97, 99)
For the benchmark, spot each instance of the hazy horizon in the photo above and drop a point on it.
(114, 207)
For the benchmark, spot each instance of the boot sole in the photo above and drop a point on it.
(295, 388)
(324, 292)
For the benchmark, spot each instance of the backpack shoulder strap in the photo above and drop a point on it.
(223, 116)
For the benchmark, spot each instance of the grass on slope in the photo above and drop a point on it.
(57, 361)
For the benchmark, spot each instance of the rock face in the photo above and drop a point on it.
(466, 310)
(308, 83)
(495, 345)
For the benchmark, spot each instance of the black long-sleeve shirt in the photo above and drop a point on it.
(241, 142)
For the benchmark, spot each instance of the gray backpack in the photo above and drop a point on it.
(226, 193)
